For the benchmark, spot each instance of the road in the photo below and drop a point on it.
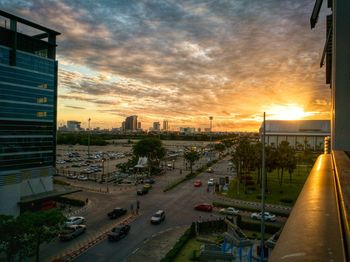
(177, 203)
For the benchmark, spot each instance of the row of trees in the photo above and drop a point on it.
(22, 236)
(153, 149)
(247, 157)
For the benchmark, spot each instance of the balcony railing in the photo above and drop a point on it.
(316, 229)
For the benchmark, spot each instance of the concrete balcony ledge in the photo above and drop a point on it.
(314, 231)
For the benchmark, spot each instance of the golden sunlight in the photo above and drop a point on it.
(287, 112)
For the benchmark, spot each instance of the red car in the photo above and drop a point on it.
(197, 183)
(204, 207)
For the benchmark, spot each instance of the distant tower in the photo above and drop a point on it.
(211, 123)
(165, 125)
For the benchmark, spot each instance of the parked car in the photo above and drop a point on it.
(72, 231)
(72, 176)
(118, 232)
(211, 182)
(204, 207)
(142, 191)
(149, 181)
(229, 211)
(147, 186)
(117, 212)
(82, 178)
(267, 216)
(75, 221)
(197, 183)
(158, 217)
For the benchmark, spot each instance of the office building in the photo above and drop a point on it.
(299, 133)
(165, 125)
(28, 109)
(131, 123)
(73, 125)
(156, 126)
(139, 125)
(187, 130)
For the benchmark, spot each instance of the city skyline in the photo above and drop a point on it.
(185, 61)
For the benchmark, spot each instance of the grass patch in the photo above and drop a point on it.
(285, 194)
(187, 251)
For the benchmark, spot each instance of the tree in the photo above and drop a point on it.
(243, 158)
(286, 159)
(219, 147)
(152, 148)
(13, 239)
(40, 227)
(191, 156)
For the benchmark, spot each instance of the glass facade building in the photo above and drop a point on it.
(28, 104)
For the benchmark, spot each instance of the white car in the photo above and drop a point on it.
(268, 216)
(82, 178)
(211, 182)
(75, 221)
(158, 217)
(229, 211)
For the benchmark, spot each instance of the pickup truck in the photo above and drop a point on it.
(117, 212)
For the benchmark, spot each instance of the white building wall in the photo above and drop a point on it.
(32, 182)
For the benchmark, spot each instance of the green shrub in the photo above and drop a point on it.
(170, 256)
(256, 226)
(286, 200)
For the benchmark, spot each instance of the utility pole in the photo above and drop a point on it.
(89, 139)
(263, 194)
(211, 125)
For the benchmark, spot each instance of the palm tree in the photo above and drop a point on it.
(191, 156)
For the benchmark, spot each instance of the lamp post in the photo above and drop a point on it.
(89, 139)
(103, 172)
(262, 255)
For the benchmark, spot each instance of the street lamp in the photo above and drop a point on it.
(103, 172)
(89, 139)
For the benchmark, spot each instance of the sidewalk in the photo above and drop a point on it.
(155, 248)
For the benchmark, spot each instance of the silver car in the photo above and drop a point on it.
(158, 217)
(75, 221)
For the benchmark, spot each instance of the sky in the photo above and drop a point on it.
(184, 61)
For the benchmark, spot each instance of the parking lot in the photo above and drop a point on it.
(74, 163)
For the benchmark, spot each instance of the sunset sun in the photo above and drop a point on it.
(287, 112)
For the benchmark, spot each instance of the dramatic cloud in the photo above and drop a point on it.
(185, 60)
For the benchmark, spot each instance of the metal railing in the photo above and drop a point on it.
(314, 230)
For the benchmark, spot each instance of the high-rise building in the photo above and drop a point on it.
(165, 125)
(123, 126)
(131, 123)
(28, 112)
(73, 125)
(156, 126)
(138, 125)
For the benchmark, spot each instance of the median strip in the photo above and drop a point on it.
(85, 245)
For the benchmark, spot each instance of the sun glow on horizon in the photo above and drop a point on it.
(287, 112)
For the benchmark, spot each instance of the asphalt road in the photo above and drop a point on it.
(178, 205)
